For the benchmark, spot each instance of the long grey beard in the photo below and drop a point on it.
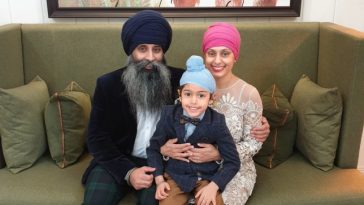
(147, 90)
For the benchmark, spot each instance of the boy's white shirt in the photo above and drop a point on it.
(189, 127)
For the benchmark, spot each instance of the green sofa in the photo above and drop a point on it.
(331, 55)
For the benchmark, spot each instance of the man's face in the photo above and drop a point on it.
(147, 80)
(150, 52)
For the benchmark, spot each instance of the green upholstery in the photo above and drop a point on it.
(283, 127)
(11, 56)
(319, 118)
(297, 182)
(341, 64)
(95, 50)
(66, 118)
(2, 160)
(277, 51)
(22, 128)
(46, 184)
(271, 53)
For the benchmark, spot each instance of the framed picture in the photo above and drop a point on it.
(173, 8)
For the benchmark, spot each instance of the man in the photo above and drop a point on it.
(126, 108)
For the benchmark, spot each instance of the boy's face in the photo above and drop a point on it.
(194, 99)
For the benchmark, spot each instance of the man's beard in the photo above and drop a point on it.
(147, 89)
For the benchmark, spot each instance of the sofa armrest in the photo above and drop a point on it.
(11, 56)
(341, 64)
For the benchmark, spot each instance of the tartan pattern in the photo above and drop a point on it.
(101, 188)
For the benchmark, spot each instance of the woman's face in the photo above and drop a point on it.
(220, 61)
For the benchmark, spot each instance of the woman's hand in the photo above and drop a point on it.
(176, 151)
(261, 133)
(206, 153)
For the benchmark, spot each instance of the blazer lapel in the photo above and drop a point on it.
(180, 128)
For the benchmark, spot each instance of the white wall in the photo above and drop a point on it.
(345, 12)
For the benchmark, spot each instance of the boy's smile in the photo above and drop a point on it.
(194, 99)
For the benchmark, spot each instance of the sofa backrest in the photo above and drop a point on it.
(270, 53)
(277, 52)
(341, 64)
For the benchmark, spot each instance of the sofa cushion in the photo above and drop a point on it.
(22, 124)
(283, 126)
(319, 120)
(297, 182)
(46, 184)
(66, 117)
(2, 160)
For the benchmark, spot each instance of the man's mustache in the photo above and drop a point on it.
(147, 64)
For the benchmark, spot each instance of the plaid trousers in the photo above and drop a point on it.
(101, 188)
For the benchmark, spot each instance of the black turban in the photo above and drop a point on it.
(146, 27)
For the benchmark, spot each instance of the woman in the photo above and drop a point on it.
(241, 105)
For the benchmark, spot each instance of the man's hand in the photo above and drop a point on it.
(261, 133)
(207, 195)
(206, 153)
(176, 151)
(141, 178)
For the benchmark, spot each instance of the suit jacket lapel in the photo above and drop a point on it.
(180, 129)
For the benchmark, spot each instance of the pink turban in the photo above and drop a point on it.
(222, 34)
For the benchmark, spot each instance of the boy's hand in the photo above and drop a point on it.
(207, 194)
(161, 190)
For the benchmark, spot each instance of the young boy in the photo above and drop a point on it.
(193, 122)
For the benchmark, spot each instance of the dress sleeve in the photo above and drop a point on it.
(251, 103)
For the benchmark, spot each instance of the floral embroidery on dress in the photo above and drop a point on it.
(242, 107)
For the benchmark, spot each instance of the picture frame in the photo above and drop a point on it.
(291, 10)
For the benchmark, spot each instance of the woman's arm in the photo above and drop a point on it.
(248, 146)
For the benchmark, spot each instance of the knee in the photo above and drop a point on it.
(101, 188)
(147, 196)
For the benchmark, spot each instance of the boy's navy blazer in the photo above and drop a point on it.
(213, 130)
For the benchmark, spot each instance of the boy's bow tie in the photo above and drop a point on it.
(184, 119)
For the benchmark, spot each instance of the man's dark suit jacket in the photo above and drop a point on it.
(212, 130)
(112, 127)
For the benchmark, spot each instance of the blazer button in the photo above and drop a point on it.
(199, 176)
